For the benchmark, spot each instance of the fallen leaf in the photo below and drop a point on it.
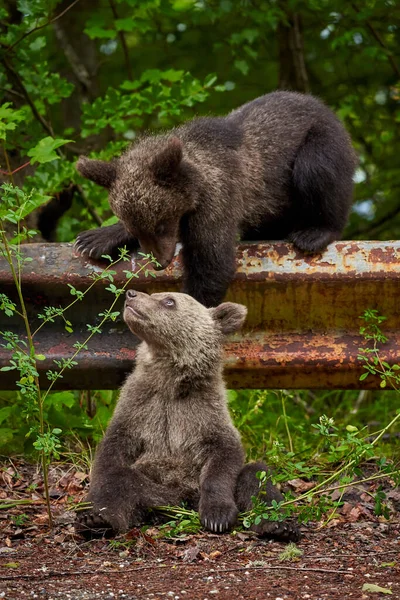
(191, 553)
(334, 523)
(152, 531)
(40, 519)
(5, 550)
(394, 497)
(81, 476)
(215, 554)
(243, 536)
(301, 486)
(375, 589)
(11, 565)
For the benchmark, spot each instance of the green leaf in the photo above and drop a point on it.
(375, 589)
(210, 80)
(40, 357)
(172, 75)
(242, 66)
(5, 412)
(38, 44)
(111, 221)
(99, 32)
(182, 4)
(130, 85)
(127, 24)
(61, 399)
(11, 565)
(9, 117)
(364, 376)
(351, 428)
(44, 151)
(6, 435)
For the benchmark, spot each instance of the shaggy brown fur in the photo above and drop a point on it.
(278, 167)
(171, 438)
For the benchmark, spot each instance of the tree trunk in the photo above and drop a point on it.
(292, 67)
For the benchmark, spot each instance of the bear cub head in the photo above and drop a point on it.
(176, 324)
(149, 191)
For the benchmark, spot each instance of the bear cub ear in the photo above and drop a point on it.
(229, 316)
(166, 163)
(101, 172)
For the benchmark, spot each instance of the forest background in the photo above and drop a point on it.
(87, 77)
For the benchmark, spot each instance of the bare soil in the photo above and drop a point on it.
(355, 548)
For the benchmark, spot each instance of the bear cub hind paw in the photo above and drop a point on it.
(90, 524)
(312, 241)
(282, 531)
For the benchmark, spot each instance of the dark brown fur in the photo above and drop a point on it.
(278, 167)
(171, 438)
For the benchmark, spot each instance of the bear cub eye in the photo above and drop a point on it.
(168, 302)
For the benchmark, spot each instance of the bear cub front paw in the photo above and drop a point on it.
(94, 243)
(218, 516)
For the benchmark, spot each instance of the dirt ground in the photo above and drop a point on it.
(355, 550)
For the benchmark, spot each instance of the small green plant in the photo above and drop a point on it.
(185, 522)
(369, 356)
(291, 552)
(20, 520)
(24, 356)
(121, 544)
(261, 510)
(380, 506)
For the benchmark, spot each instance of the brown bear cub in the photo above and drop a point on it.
(171, 439)
(279, 167)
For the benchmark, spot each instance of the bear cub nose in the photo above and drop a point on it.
(131, 294)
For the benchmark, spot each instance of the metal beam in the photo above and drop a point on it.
(302, 329)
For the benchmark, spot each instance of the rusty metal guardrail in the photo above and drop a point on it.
(302, 329)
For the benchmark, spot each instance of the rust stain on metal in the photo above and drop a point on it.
(303, 321)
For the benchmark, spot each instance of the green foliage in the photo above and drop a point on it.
(33, 402)
(103, 76)
(44, 151)
(9, 119)
(184, 522)
(372, 363)
(291, 553)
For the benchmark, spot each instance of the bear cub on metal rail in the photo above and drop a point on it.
(279, 167)
(171, 438)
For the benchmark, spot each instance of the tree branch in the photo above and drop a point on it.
(292, 67)
(380, 41)
(78, 68)
(122, 38)
(88, 206)
(50, 574)
(14, 76)
(42, 26)
(376, 225)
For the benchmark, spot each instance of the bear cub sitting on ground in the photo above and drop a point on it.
(279, 167)
(171, 439)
